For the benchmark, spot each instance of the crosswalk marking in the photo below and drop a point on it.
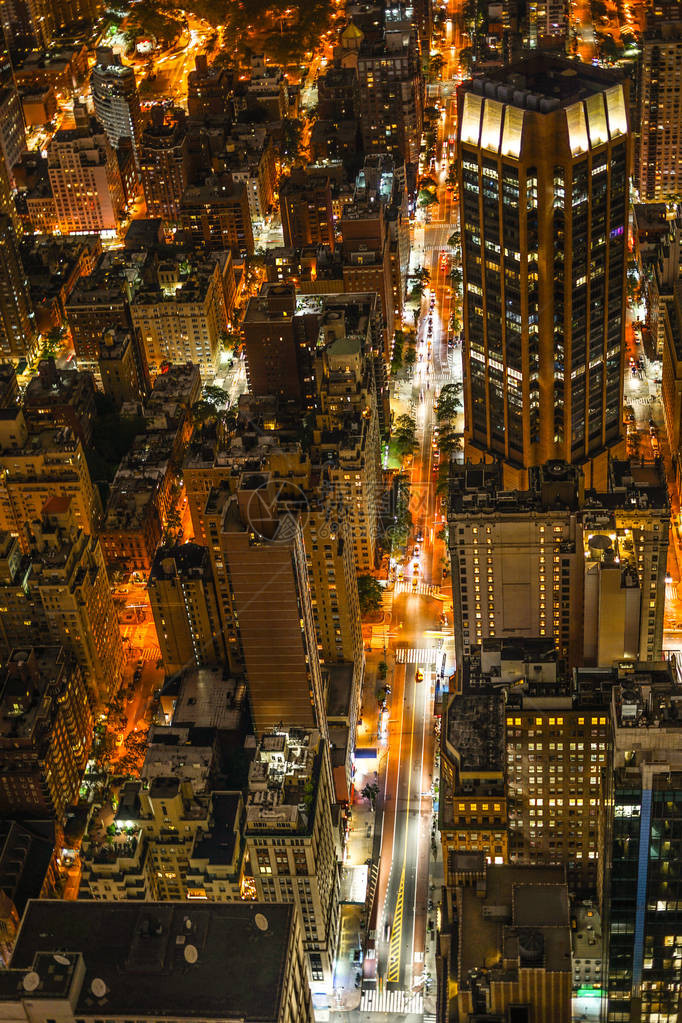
(150, 653)
(421, 589)
(392, 1001)
(420, 655)
(429, 1017)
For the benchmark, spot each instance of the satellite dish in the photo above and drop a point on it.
(191, 954)
(98, 987)
(261, 921)
(62, 960)
(31, 981)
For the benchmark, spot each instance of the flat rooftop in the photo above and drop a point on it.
(476, 730)
(518, 899)
(140, 952)
(556, 80)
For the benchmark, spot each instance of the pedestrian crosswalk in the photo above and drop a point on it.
(416, 655)
(429, 1017)
(151, 653)
(392, 1001)
(421, 589)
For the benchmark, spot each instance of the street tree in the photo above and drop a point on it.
(405, 434)
(370, 594)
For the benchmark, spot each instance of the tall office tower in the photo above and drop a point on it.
(116, 101)
(259, 566)
(164, 164)
(17, 319)
(71, 579)
(185, 609)
(391, 87)
(290, 838)
(643, 848)
(330, 557)
(172, 960)
(85, 180)
(305, 202)
(585, 567)
(658, 149)
(46, 732)
(543, 168)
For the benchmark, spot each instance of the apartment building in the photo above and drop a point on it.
(85, 180)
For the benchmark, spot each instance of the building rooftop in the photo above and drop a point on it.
(160, 959)
(283, 781)
(543, 82)
(209, 697)
(476, 732)
(520, 913)
(478, 489)
(28, 689)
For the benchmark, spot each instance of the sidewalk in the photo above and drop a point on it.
(363, 841)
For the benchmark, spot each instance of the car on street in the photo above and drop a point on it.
(419, 677)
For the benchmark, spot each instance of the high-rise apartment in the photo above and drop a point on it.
(71, 579)
(161, 829)
(115, 99)
(36, 468)
(658, 150)
(643, 848)
(185, 608)
(290, 840)
(259, 566)
(305, 202)
(85, 180)
(17, 319)
(170, 960)
(46, 732)
(179, 316)
(391, 86)
(543, 167)
(164, 164)
(584, 566)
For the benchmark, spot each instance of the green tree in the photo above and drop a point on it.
(382, 670)
(455, 240)
(426, 198)
(370, 594)
(466, 59)
(449, 403)
(370, 793)
(405, 434)
(217, 396)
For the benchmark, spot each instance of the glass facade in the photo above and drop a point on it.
(645, 894)
(544, 258)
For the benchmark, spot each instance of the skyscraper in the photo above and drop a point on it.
(259, 565)
(17, 319)
(643, 849)
(544, 166)
(115, 98)
(658, 137)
